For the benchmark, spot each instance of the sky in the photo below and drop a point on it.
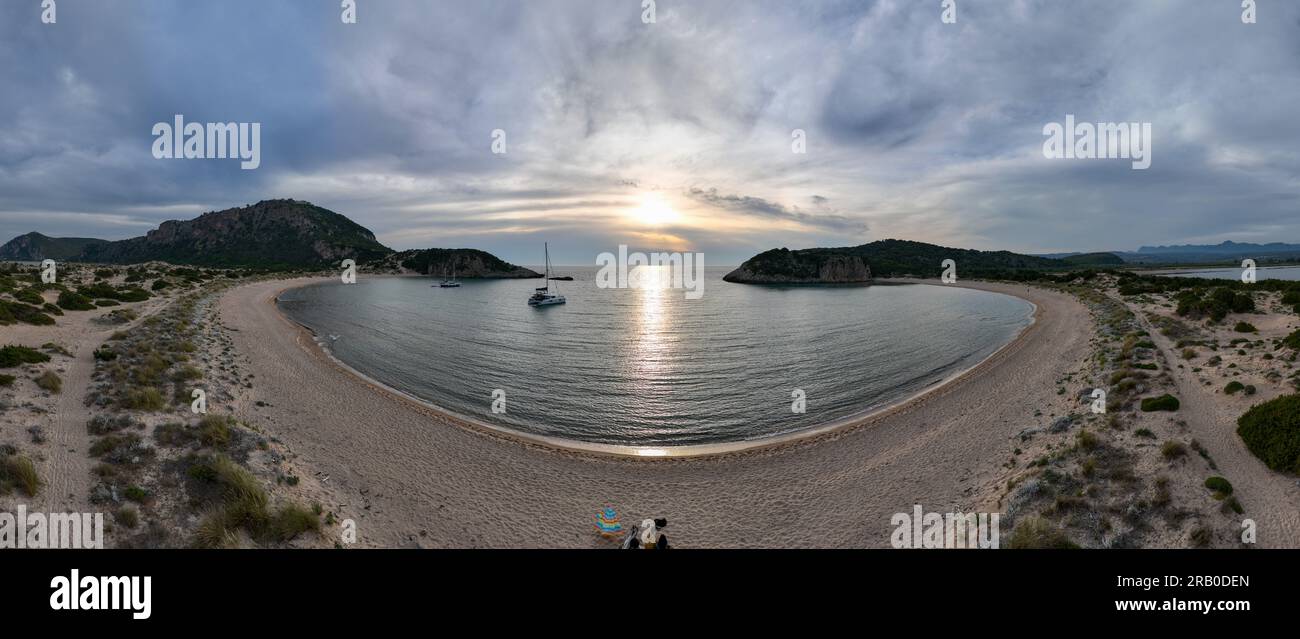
(676, 134)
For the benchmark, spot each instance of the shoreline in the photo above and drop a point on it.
(828, 430)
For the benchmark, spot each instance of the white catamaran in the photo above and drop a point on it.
(544, 296)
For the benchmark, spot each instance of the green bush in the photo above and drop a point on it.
(11, 312)
(1164, 402)
(1292, 340)
(1245, 327)
(1219, 485)
(11, 356)
(30, 296)
(70, 301)
(7, 380)
(1271, 431)
(1234, 387)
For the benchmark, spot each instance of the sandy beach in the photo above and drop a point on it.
(410, 475)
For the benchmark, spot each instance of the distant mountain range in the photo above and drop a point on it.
(1201, 253)
(272, 234)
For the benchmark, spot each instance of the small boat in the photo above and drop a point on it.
(449, 283)
(543, 296)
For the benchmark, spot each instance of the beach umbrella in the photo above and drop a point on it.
(607, 523)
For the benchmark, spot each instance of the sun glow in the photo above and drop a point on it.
(655, 211)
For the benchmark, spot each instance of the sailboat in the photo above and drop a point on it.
(449, 283)
(543, 296)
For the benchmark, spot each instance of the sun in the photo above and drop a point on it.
(655, 211)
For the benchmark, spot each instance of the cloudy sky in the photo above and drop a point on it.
(671, 135)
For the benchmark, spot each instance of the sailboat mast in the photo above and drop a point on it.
(546, 246)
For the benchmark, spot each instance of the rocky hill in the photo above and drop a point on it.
(34, 247)
(269, 234)
(464, 263)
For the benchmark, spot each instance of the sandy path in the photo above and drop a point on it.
(1271, 499)
(66, 466)
(406, 470)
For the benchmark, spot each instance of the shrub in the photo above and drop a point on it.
(11, 356)
(1232, 504)
(127, 516)
(293, 520)
(1087, 440)
(1292, 340)
(7, 380)
(30, 296)
(1245, 327)
(70, 301)
(1145, 432)
(105, 424)
(1219, 485)
(1164, 402)
(105, 354)
(147, 398)
(1271, 431)
(173, 434)
(21, 472)
(50, 381)
(1234, 387)
(1036, 532)
(214, 430)
(1172, 450)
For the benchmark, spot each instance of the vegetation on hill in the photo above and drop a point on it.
(1094, 259)
(896, 258)
(464, 263)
